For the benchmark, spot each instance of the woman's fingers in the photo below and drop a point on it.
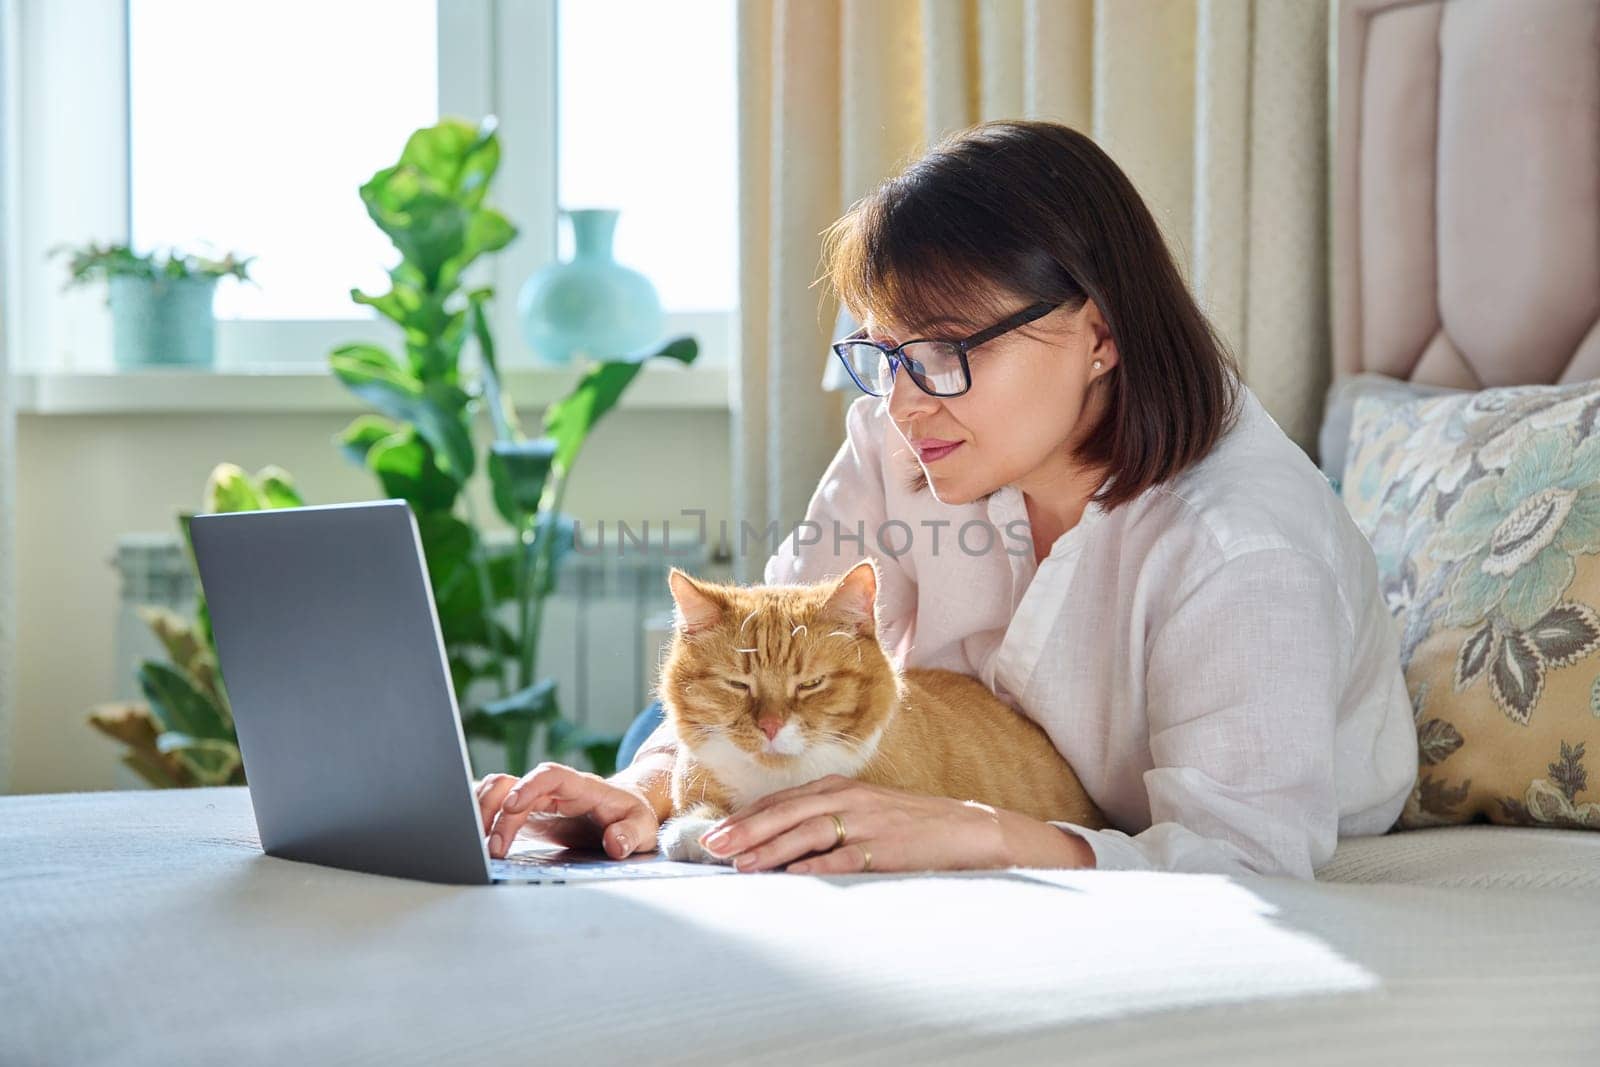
(756, 828)
(827, 784)
(542, 790)
(851, 859)
(626, 823)
(816, 834)
(490, 792)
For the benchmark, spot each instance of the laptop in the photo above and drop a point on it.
(342, 698)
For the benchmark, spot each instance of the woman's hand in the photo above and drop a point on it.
(565, 806)
(901, 831)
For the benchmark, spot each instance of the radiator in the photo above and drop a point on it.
(604, 628)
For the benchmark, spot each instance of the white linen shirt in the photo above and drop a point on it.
(1213, 657)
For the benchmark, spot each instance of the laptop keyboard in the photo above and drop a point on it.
(537, 866)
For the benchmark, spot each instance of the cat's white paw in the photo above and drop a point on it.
(680, 840)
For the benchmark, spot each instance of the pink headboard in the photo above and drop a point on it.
(1466, 214)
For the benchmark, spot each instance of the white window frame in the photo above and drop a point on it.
(72, 177)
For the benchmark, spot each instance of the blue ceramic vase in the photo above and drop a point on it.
(162, 321)
(589, 305)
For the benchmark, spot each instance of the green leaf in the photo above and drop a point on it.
(367, 367)
(405, 464)
(397, 304)
(430, 203)
(202, 614)
(178, 705)
(563, 737)
(211, 761)
(187, 647)
(463, 673)
(151, 771)
(570, 419)
(202, 620)
(437, 409)
(176, 635)
(561, 530)
(425, 225)
(462, 624)
(501, 411)
(602, 754)
(357, 439)
(537, 703)
(374, 375)
(518, 714)
(442, 420)
(230, 489)
(476, 724)
(458, 156)
(278, 488)
(448, 545)
(487, 231)
(503, 572)
(517, 473)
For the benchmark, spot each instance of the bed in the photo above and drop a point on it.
(148, 927)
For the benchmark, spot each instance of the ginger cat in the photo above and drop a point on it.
(769, 687)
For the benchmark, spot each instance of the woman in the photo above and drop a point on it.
(1168, 585)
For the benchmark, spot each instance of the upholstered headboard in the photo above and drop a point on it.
(1466, 185)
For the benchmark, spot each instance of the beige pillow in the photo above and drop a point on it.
(1484, 513)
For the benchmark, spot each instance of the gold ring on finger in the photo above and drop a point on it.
(866, 857)
(838, 826)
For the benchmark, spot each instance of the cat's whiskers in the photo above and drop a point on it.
(888, 761)
(848, 634)
(844, 740)
(878, 753)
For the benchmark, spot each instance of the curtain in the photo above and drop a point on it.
(1216, 109)
(8, 432)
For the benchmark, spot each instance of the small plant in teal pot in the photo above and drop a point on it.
(160, 301)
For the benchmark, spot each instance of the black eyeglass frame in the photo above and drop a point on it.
(962, 347)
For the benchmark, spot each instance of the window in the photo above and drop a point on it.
(283, 139)
(236, 125)
(667, 157)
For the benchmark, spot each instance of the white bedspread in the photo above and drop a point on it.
(147, 927)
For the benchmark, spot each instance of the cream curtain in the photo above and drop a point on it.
(1217, 109)
(8, 433)
(8, 556)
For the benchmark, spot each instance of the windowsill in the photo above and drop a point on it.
(298, 389)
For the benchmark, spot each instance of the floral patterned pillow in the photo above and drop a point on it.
(1484, 513)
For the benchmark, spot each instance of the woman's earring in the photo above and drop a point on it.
(1096, 364)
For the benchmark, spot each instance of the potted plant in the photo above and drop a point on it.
(182, 734)
(432, 205)
(160, 300)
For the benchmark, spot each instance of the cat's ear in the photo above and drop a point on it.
(699, 607)
(854, 596)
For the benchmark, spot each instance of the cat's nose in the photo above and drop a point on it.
(770, 726)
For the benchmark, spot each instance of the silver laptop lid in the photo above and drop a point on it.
(335, 669)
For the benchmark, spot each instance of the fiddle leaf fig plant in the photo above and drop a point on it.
(419, 444)
(182, 734)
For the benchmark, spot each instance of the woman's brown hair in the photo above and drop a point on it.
(1037, 211)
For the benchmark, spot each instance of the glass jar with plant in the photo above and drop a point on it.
(160, 300)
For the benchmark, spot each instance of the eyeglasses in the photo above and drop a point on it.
(938, 368)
